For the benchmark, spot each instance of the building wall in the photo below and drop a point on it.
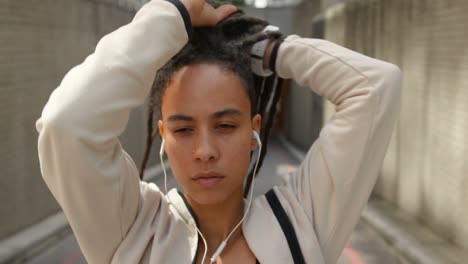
(40, 41)
(425, 171)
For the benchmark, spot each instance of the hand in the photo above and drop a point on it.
(202, 14)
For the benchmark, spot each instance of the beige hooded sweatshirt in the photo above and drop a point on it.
(119, 219)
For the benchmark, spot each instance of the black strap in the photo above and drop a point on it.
(185, 16)
(274, 54)
(287, 227)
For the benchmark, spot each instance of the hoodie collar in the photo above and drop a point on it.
(177, 199)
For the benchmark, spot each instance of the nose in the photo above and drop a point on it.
(205, 148)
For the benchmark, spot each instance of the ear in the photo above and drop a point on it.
(256, 126)
(161, 128)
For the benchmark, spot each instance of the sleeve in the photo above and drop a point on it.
(334, 181)
(82, 161)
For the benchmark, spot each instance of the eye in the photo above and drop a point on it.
(225, 127)
(183, 130)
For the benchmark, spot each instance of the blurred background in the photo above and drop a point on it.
(418, 212)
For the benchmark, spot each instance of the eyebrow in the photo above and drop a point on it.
(227, 112)
(219, 114)
(179, 117)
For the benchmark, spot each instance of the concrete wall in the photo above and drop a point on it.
(126, 5)
(426, 170)
(39, 42)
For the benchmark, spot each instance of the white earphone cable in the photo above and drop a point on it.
(161, 153)
(224, 243)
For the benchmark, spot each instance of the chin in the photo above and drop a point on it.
(215, 196)
(209, 197)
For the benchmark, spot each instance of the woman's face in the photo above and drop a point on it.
(207, 127)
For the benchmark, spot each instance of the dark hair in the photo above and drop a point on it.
(227, 44)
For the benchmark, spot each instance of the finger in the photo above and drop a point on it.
(211, 16)
(208, 17)
(224, 11)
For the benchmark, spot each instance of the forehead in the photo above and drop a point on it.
(202, 89)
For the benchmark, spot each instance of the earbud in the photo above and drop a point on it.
(224, 243)
(257, 137)
(161, 151)
(161, 154)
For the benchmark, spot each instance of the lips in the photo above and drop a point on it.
(208, 179)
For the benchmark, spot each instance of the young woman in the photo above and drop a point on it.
(210, 109)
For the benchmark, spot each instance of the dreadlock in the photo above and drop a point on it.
(227, 45)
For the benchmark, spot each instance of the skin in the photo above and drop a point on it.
(207, 126)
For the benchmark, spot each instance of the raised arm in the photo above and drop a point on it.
(94, 180)
(335, 179)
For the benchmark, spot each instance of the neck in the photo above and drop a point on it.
(218, 220)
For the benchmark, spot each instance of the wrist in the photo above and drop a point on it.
(274, 53)
(183, 7)
(260, 53)
(188, 5)
(267, 56)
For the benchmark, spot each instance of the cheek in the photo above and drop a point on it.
(237, 155)
(179, 159)
(234, 157)
(239, 149)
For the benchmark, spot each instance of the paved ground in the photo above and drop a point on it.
(365, 245)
